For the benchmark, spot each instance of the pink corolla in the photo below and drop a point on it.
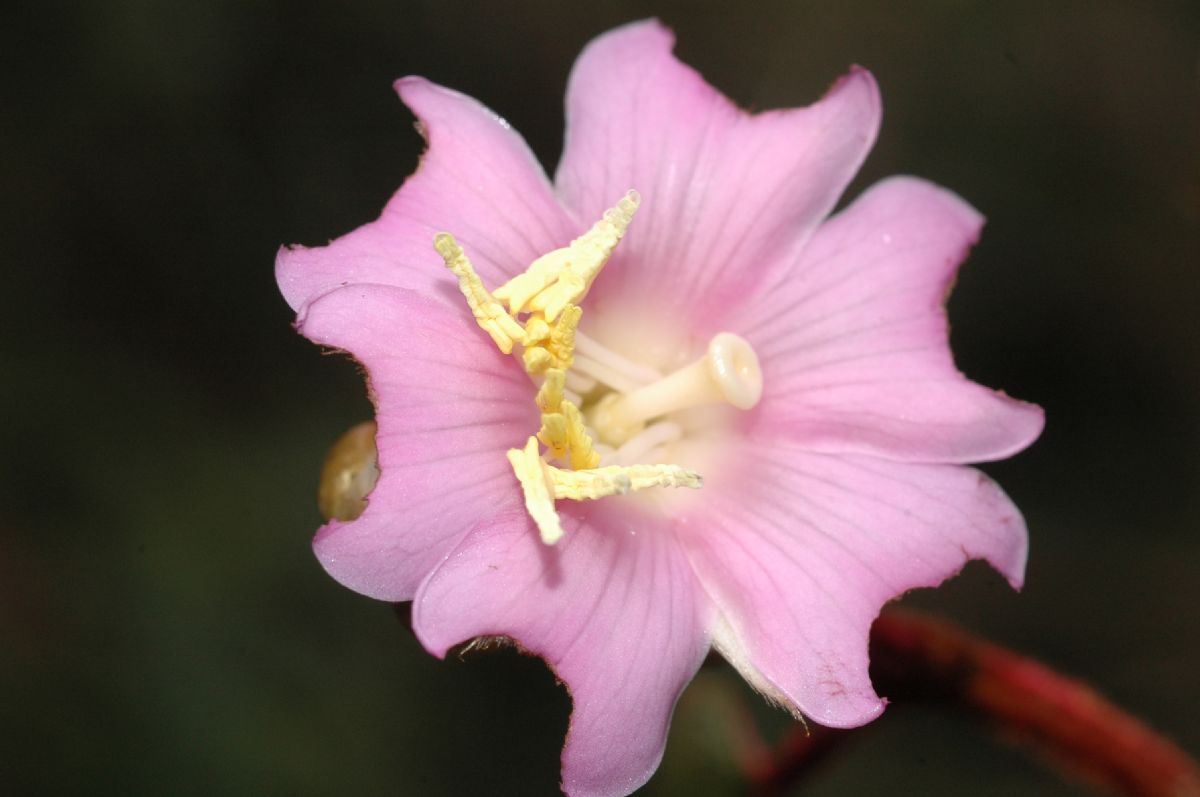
(834, 482)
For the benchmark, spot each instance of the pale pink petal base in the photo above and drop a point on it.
(477, 180)
(613, 608)
(448, 405)
(800, 550)
(727, 196)
(853, 344)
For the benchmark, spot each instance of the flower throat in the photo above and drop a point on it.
(596, 442)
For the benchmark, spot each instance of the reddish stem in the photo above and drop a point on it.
(771, 772)
(916, 658)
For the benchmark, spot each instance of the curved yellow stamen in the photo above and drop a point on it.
(579, 442)
(562, 277)
(530, 469)
(489, 313)
(542, 483)
(548, 294)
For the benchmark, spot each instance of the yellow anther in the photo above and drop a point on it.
(543, 483)
(532, 472)
(537, 332)
(579, 442)
(541, 273)
(588, 485)
(551, 346)
(643, 476)
(489, 313)
(566, 290)
(550, 396)
(585, 485)
(563, 277)
(536, 360)
(554, 434)
(562, 336)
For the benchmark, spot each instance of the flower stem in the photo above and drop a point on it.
(918, 658)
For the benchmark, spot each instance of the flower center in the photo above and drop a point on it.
(728, 372)
(601, 412)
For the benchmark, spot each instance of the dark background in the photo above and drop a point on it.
(164, 628)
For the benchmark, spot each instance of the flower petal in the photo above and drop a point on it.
(726, 195)
(477, 180)
(853, 343)
(614, 610)
(800, 550)
(448, 405)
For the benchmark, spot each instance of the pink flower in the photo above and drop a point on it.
(843, 487)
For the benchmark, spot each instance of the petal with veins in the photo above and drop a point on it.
(441, 437)
(727, 196)
(800, 550)
(853, 341)
(614, 610)
(477, 178)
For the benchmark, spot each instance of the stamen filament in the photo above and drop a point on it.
(651, 438)
(608, 376)
(596, 352)
(579, 384)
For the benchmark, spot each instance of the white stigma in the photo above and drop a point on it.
(728, 372)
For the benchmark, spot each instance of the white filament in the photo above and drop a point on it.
(631, 372)
(637, 448)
